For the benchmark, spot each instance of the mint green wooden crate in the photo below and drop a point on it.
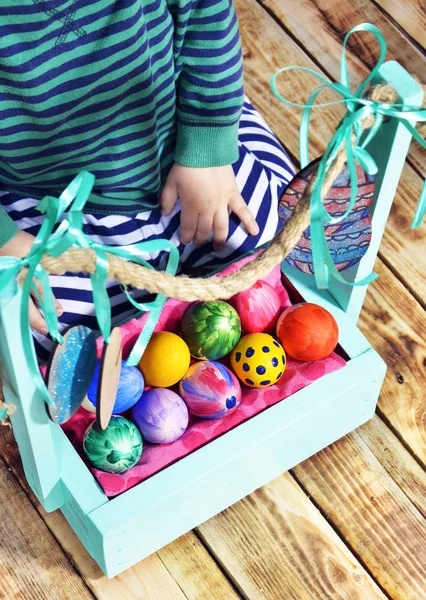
(120, 532)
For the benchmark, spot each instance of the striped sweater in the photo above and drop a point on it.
(121, 88)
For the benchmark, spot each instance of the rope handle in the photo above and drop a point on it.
(182, 287)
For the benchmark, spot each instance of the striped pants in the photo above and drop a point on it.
(262, 172)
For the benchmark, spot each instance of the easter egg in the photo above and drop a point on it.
(258, 360)
(115, 449)
(130, 389)
(258, 307)
(161, 416)
(211, 329)
(210, 390)
(307, 331)
(165, 360)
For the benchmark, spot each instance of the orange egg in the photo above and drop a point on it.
(307, 332)
(165, 360)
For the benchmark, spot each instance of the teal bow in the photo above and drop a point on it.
(357, 109)
(68, 234)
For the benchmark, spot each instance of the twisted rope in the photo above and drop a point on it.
(183, 287)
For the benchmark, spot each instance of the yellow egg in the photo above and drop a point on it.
(165, 360)
(258, 360)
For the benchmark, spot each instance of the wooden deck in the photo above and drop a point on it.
(349, 522)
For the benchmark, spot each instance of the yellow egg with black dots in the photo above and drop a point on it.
(258, 360)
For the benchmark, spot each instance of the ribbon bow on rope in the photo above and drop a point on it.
(69, 233)
(348, 135)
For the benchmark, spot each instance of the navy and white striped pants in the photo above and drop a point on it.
(262, 172)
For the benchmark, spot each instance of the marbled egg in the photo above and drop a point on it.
(308, 331)
(115, 449)
(210, 390)
(211, 329)
(161, 416)
(130, 389)
(258, 307)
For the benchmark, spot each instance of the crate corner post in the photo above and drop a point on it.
(31, 423)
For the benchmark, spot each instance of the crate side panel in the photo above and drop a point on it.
(202, 486)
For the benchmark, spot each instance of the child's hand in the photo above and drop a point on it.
(20, 246)
(206, 195)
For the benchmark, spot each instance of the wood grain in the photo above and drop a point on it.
(397, 461)
(32, 563)
(395, 325)
(410, 15)
(375, 517)
(276, 545)
(267, 47)
(198, 575)
(320, 29)
(158, 576)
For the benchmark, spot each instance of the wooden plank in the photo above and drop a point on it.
(410, 15)
(275, 544)
(397, 461)
(158, 576)
(191, 565)
(32, 563)
(320, 28)
(372, 513)
(395, 324)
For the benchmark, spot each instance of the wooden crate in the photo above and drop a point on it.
(124, 530)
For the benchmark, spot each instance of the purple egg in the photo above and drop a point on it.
(161, 416)
(210, 390)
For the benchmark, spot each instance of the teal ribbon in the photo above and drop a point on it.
(69, 234)
(357, 109)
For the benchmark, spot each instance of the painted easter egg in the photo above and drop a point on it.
(165, 360)
(210, 390)
(258, 307)
(130, 389)
(161, 416)
(307, 331)
(115, 449)
(258, 360)
(211, 329)
(349, 239)
(70, 372)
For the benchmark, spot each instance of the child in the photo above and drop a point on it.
(148, 96)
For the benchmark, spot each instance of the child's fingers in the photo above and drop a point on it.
(188, 225)
(36, 320)
(169, 197)
(240, 208)
(58, 305)
(220, 229)
(204, 229)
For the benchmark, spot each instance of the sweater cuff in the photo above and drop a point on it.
(206, 145)
(8, 228)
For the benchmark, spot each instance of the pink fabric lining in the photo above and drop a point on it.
(155, 458)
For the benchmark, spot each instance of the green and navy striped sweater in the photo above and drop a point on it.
(121, 88)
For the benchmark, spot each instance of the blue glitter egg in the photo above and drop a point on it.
(130, 388)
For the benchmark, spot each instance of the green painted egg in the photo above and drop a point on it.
(116, 449)
(211, 329)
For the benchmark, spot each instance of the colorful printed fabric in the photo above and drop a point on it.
(349, 239)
